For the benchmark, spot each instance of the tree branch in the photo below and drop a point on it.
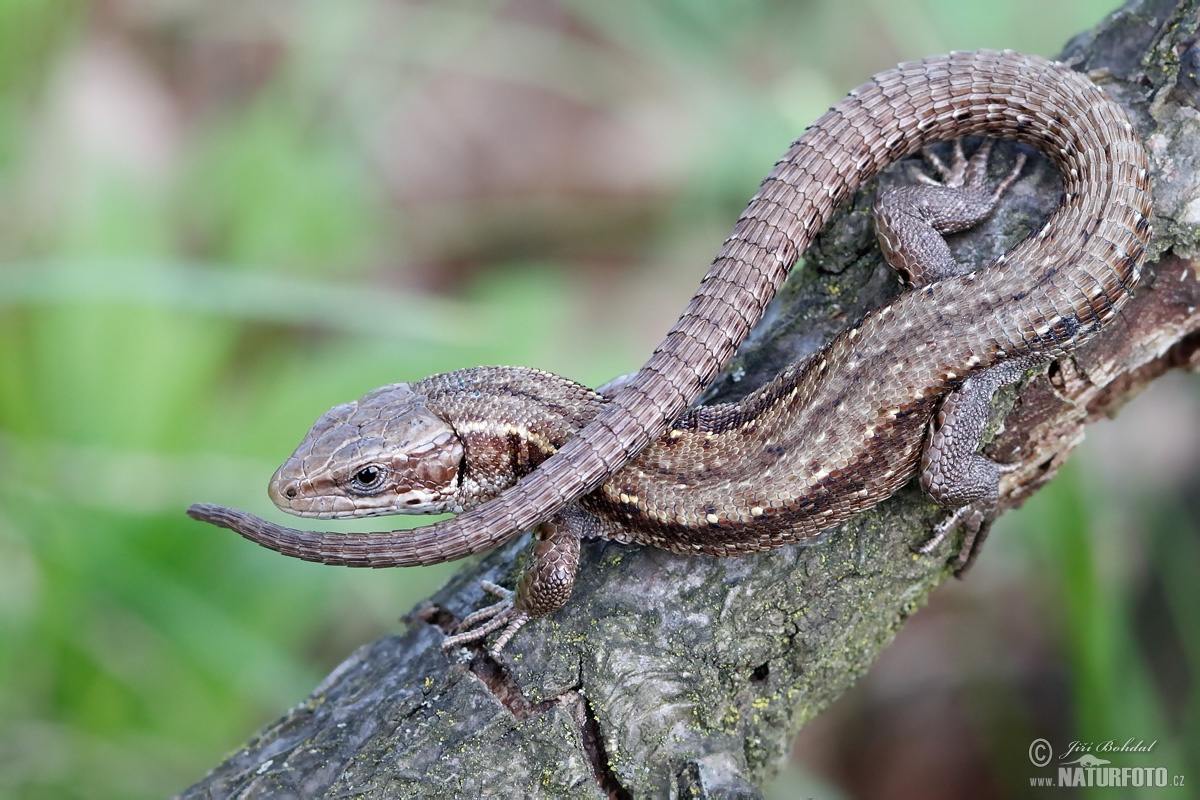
(672, 675)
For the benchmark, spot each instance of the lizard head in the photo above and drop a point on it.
(385, 453)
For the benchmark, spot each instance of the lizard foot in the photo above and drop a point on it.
(911, 221)
(968, 174)
(973, 515)
(977, 521)
(482, 623)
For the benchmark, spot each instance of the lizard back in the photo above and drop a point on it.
(1046, 295)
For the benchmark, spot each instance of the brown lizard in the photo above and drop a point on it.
(829, 437)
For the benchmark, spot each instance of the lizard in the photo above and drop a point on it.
(904, 390)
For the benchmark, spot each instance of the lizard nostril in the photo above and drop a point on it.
(291, 492)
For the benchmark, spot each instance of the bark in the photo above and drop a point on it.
(673, 676)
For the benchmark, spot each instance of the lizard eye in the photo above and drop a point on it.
(369, 479)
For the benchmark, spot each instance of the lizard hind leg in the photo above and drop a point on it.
(911, 221)
(543, 588)
(952, 473)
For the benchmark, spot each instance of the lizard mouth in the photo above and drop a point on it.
(350, 513)
(293, 497)
(290, 496)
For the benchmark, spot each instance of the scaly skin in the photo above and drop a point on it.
(841, 433)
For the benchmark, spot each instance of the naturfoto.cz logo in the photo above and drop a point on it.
(1087, 767)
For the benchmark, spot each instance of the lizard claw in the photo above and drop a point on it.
(967, 173)
(976, 520)
(961, 173)
(480, 624)
(942, 529)
(937, 165)
(1009, 467)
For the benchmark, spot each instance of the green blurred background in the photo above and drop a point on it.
(219, 219)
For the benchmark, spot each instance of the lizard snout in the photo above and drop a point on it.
(283, 491)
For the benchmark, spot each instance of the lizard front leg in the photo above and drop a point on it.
(910, 223)
(543, 588)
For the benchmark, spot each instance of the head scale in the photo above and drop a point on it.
(385, 453)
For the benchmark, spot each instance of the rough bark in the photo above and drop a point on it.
(672, 676)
